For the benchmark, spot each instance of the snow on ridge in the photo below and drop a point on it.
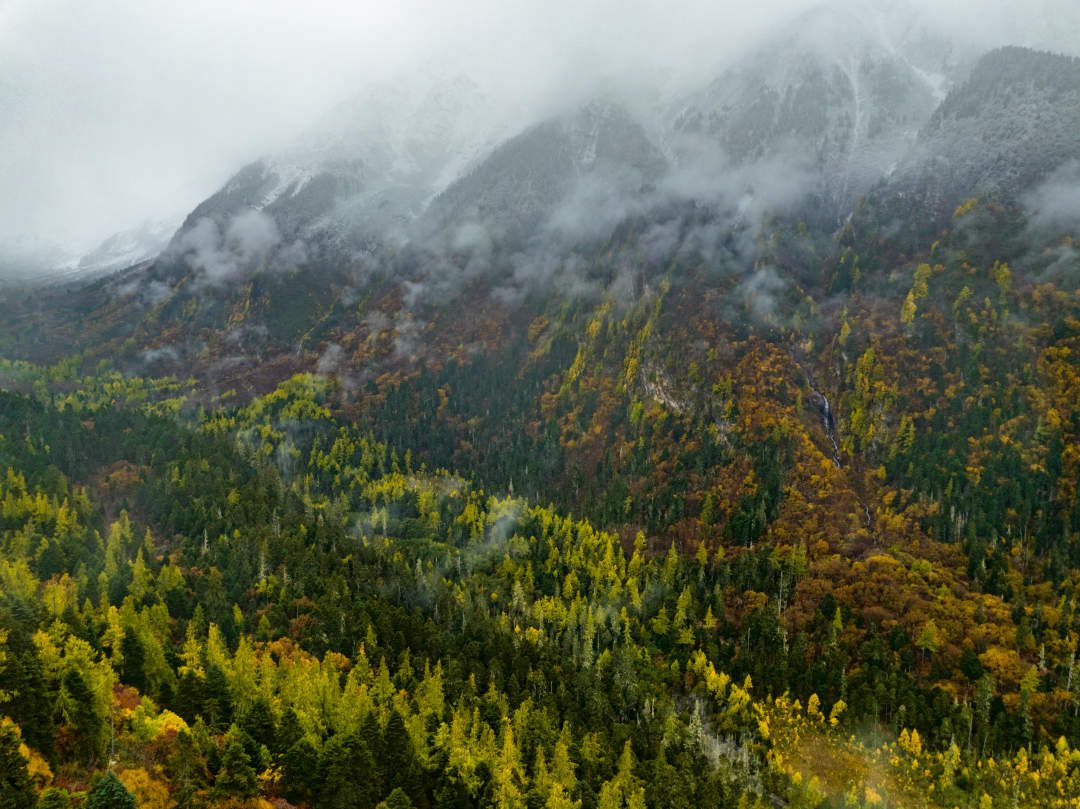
(291, 178)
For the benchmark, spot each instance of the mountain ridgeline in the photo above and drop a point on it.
(286, 509)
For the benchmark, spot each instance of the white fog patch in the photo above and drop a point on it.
(660, 240)
(472, 237)
(201, 245)
(1063, 266)
(377, 322)
(595, 206)
(760, 293)
(408, 342)
(702, 172)
(154, 355)
(701, 208)
(251, 242)
(156, 292)
(413, 293)
(148, 293)
(292, 255)
(331, 360)
(252, 235)
(497, 541)
(1056, 202)
(473, 242)
(248, 335)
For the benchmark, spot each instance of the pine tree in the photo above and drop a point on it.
(398, 760)
(132, 671)
(190, 695)
(344, 774)
(625, 789)
(299, 769)
(79, 710)
(508, 773)
(54, 798)
(217, 704)
(396, 800)
(16, 788)
(110, 793)
(259, 723)
(186, 767)
(23, 678)
(289, 732)
(236, 776)
(562, 765)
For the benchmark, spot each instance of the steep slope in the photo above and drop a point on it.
(126, 249)
(999, 135)
(351, 185)
(516, 193)
(831, 95)
(568, 211)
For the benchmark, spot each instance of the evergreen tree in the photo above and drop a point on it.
(625, 789)
(398, 759)
(54, 798)
(289, 732)
(110, 793)
(345, 774)
(186, 767)
(190, 695)
(300, 770)
(217, 701)
(31, 705)
(396, 800)
(133, 671)
(16, 788)
(258, 722)
(80, 711)
(236, 777)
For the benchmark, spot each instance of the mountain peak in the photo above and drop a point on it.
(829, 93)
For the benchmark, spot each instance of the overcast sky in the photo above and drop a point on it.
(116, 111)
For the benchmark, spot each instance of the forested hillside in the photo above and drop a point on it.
(565, 483)
(230, 604)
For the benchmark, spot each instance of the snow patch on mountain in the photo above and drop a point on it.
(840, 92)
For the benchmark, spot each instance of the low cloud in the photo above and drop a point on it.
(251, 242)
(157, 355)
(332, 359)
(143, 109)
(252, 235)
(701, 209)
(1056, 203)
(760, 294)
(595, 206)
(149, 293)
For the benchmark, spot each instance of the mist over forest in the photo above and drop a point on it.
(565, 405)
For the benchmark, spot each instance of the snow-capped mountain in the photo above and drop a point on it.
(408, 133)
(829, 108)
(845, 129)
(590, 163)
(838, 93)
(356, 180)
(26, 259)
(998, 135)
(125, 249)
